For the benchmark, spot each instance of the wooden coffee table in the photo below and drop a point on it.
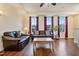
(42, 41)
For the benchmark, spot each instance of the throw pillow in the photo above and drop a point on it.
(37, 32)
(18, 34)
(47, 32)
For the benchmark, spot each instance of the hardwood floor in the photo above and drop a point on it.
(62, 48)
(66, 48)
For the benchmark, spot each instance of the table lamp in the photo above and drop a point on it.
(25, 30)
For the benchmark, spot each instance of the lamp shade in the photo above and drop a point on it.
(25, 30)
(1, 12)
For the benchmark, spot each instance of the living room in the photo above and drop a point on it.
(18, 17)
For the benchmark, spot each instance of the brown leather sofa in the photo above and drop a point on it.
(14, 40)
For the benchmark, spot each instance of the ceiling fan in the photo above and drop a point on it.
(44, 3)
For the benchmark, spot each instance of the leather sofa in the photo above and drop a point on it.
(14, 40)
(42, 33)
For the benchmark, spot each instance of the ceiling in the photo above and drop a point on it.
(59, 9)
(35, 9)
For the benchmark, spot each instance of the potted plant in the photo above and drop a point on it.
(51, 32)
(55, 29)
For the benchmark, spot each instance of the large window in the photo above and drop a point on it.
(48, 23)
(33, 23)
(62, 23)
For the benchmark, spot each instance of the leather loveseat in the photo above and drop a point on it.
(14, 40)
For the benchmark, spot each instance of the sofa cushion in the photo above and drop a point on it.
(23, 38)
(9, 34)
(17, 34)
(37, 32)
(12, 34)
(47, 32)
(42, 32)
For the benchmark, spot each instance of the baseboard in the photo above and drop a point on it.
(70, 38)
(65, 38)
(1, 50)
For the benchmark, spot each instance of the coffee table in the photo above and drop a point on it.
(42, 41)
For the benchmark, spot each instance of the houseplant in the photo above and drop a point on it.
(55, 29)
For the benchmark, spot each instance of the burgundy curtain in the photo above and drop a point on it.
(37, 23)
(52, 22)
(58, 28)
(66, 31)
(44, 23)
(30, 25)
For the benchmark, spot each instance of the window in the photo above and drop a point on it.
(48, 23)
(33, 24)
(62, 23)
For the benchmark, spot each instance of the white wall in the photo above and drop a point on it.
(70, 27)
(9, 21)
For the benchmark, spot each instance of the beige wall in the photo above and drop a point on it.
(25, 23)
(70, 27)
(41, 22)
(76, 25)
(76, 21)
(55, 21)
